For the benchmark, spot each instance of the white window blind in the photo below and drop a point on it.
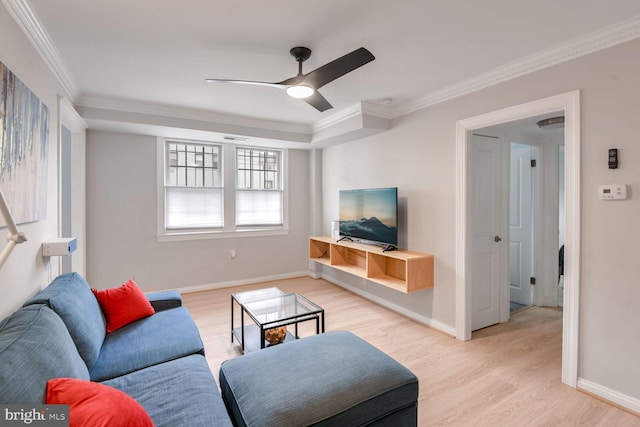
(193, 186)
(259, 199)
(258, 207)
(193, 208)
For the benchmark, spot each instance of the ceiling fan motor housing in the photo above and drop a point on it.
(300, 53)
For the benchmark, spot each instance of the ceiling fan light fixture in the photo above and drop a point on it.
(551, 123)
(300, 91)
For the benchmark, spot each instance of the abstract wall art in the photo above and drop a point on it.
(24, 142)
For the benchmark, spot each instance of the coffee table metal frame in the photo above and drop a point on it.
(272, 299)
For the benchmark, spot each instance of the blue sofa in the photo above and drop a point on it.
(333, 379)
(61, 333)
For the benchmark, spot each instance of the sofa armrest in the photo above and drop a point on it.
(164, 300)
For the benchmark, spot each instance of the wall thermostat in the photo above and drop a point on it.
(613, 192)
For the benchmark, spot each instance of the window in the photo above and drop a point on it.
(258, 187)
(193, 186)
(194, 200)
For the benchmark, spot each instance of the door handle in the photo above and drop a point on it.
(497, 239)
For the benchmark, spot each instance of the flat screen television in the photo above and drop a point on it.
(370, 215)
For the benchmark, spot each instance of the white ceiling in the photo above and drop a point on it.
(159, 52)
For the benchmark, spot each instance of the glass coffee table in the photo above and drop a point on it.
(271, 308)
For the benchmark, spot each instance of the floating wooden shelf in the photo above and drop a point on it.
(404, 271)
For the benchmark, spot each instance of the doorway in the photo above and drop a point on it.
(568, 104)
(514, 199)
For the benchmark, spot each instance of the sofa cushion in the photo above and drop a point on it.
(166, 335)
(123, 305)
(95, 404)
(71, 298)
(333, 379)
(35, 346)
(181, 392)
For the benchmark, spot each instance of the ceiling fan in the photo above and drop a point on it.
(305, 86)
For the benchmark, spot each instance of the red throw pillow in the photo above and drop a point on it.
(96, 405)
(123, 305)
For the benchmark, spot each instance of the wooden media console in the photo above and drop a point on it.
(404, 271)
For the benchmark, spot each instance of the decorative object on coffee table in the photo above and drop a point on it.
(275, 335)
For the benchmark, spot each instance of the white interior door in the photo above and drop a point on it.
(520, 224)
(486, 240)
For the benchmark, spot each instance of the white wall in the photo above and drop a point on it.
(26, 272)
(424, 173)
(121, 225)
(418, 156)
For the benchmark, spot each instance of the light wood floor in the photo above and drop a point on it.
(507, 375)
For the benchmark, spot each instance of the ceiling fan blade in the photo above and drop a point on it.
(338, 68)
(318, 102)
(292, 81)
(248, 82)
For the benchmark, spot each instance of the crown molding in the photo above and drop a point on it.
(362, 119)
(590, 43)
(69, 117)
(361, 108)
(120, 105)
(332, 124)
(340, 116)
(376, 109)
(108, 114)
(30, 24)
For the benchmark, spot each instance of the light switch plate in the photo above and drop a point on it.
(613, 192)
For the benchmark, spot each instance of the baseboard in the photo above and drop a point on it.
(442, 327)
(231, 283)
(611, 396)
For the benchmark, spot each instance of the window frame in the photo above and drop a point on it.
(228, 160)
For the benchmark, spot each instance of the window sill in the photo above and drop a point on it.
(205, 235)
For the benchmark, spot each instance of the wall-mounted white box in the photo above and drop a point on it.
(59, 247)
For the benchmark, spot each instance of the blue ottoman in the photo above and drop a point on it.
(333, 379)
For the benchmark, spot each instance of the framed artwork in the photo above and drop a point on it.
(24, 143)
